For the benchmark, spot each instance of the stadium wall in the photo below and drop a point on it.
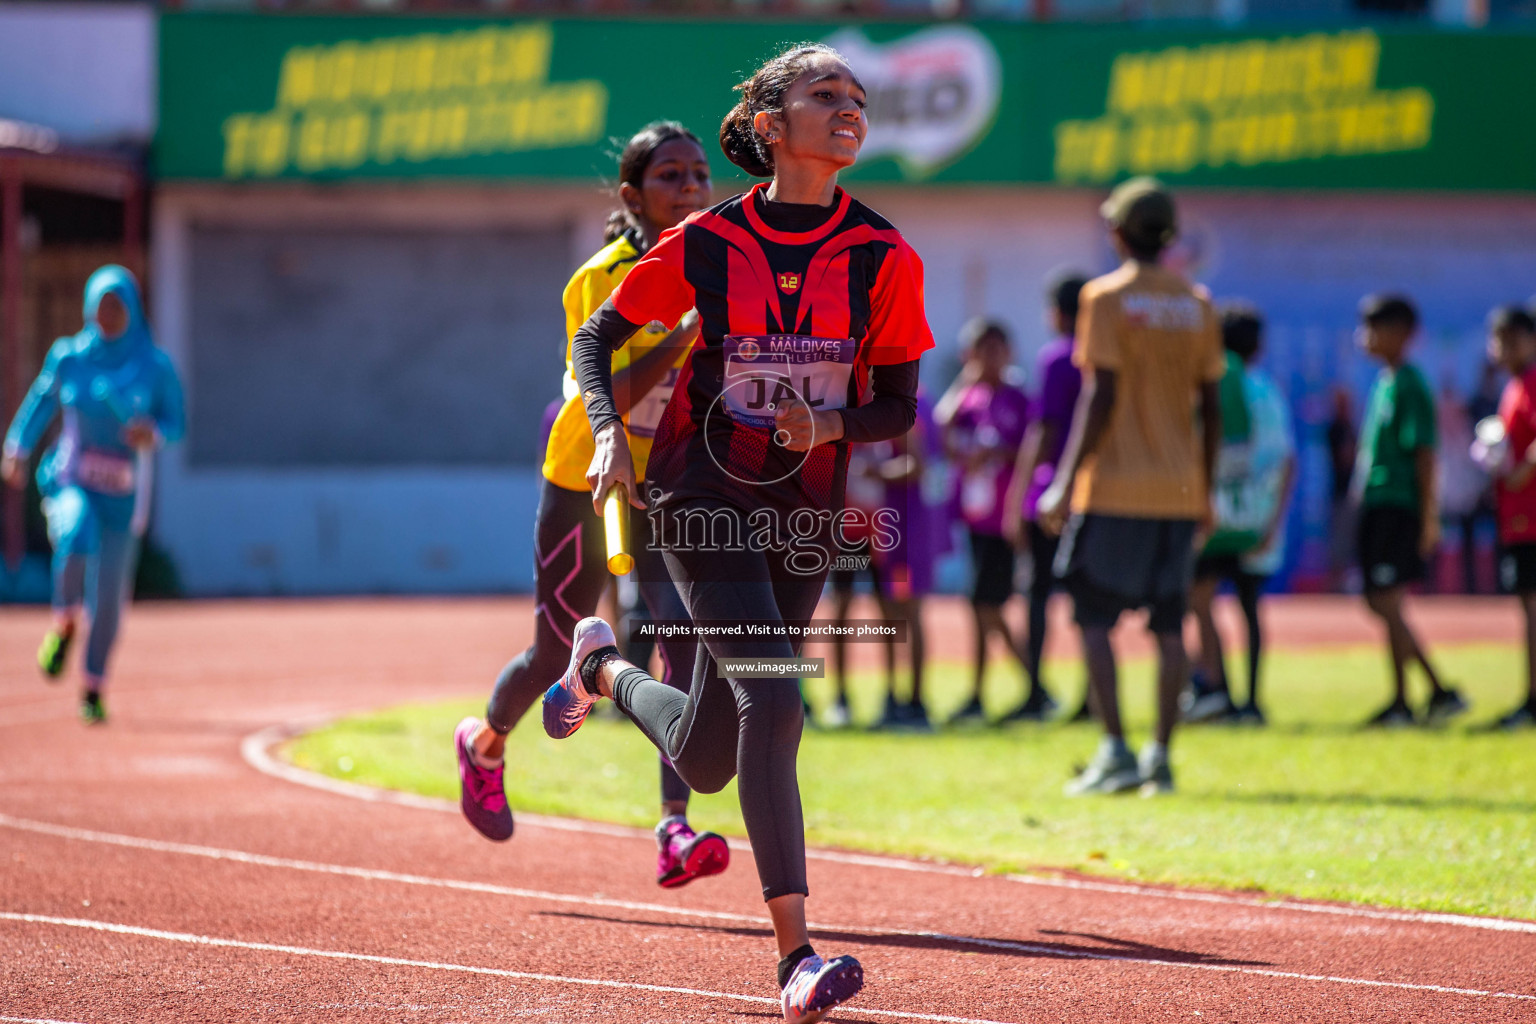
(399, 451)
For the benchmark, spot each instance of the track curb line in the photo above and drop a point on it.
(256, 750)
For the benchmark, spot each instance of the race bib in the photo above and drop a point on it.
(763, 370)
(978, 494)
(1239, 496)
(106, 474)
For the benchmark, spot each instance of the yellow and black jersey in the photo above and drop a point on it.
(570, 439)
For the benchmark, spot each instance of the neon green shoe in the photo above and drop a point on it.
(53, 651)
(92, 711)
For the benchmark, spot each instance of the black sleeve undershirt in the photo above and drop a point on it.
(604, 333)
(892, 410)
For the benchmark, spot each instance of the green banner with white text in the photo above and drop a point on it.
(248, 97)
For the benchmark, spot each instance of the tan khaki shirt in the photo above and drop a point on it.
(1161, 336)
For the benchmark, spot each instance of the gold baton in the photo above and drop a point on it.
(616, 528)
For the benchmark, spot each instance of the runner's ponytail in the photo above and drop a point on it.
(741, 144)
(619, 221)
(764, 91)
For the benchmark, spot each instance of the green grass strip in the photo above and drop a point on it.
(1310, 806)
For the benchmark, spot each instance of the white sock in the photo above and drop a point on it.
(1155, 753)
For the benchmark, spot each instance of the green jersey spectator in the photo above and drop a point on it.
(1235, 423)
(1399, 423)
(1235, 529)
(1400, 516)
(1254, 471)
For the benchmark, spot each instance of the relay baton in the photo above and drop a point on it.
(616, 528)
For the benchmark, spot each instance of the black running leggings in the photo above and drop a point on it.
(747, 727)
(570, 574)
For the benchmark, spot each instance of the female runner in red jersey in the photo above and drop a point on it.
(808, 302)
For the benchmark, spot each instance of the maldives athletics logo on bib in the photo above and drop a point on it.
(932, 94)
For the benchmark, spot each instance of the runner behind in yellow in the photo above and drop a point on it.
(664, 178)
(570, 439)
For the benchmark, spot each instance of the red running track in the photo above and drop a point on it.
(152, 873)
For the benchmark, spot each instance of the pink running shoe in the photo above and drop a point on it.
(818, 985)
(482, 796)
(685, 854)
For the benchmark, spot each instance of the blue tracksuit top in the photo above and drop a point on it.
(100, 385)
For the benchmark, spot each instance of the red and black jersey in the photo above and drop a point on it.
(814, 278)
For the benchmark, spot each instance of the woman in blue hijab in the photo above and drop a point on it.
(121, 399)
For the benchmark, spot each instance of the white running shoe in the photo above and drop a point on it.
(1112, 770)
(1156, 775)
(567, 702)
(1210, 706)
(837, 716)
(817, 985)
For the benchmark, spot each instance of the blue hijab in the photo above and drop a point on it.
(135, 341)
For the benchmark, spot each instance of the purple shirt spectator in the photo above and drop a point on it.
(1060, 382)
(921, 534)
(990, 422)
(546, 427)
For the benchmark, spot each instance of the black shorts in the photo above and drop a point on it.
(1112, 564)
(1218, 567)
(992, 558)
(1517, 569)
(1388, 544)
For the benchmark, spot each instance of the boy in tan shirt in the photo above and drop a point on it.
(1135, 476)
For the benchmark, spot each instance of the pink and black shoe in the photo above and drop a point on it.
(818, 985)
(685, 854)
(482, 794)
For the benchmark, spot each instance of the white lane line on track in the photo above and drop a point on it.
(33, 1020)
(370, 874)
(366, 874)
(432, 965)
(1261, 972)
(256, 749)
